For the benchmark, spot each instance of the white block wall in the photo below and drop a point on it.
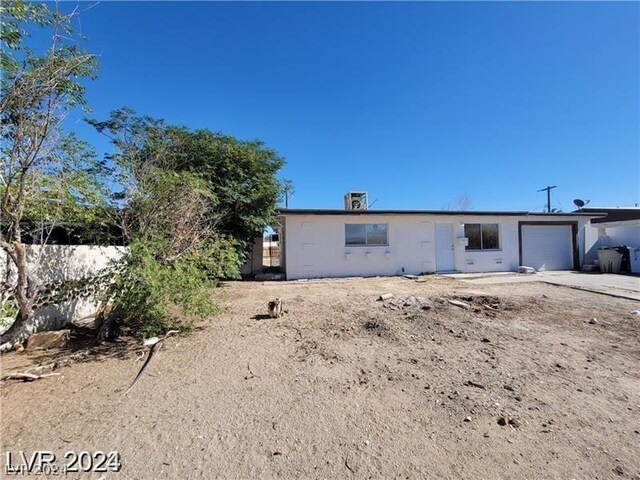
(314, 245)
(63, 263)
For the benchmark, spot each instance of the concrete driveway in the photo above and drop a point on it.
(624, 286)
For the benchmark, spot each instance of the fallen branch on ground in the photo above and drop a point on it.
(48, 366)
(346, 464)
(152, 351)
(460, 304)
(27, 377)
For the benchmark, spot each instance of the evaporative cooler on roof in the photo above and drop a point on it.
(355, 201)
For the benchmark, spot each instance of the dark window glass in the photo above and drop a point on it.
(472, 232)
(490, 236)
(355, 234)
(482, 236)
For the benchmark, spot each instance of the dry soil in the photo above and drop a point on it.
(521, 384)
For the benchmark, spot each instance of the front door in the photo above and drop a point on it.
(444, 247)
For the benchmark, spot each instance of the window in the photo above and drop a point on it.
(365, 234)
(482, 236)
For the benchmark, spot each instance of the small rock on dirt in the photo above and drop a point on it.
(619, 470)
(385, 296)
(467, 419)
(526, 270)
(593, 321)
(87, 323)
(53, 339)
(506, 420)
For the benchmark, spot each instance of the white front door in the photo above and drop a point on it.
(444, 247)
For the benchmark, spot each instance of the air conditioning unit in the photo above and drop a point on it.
(355, 201)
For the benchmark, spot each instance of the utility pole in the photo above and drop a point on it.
(548, 189)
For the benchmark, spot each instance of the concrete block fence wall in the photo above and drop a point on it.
(72, 277)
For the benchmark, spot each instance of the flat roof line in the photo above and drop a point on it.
(319, 211)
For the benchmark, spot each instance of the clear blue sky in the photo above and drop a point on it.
(418, 103)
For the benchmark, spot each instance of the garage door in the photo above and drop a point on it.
(547, 247)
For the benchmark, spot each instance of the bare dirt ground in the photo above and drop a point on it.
(345, 386)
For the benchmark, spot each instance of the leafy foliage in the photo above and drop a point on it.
(240, 175)
(174, 257)
(43, 170)
(171, 217)
(188, 203)
(147, 290)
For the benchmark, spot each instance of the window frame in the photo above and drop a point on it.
(366, 236)
(482, 249)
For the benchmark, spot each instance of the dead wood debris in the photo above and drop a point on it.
(152, 352)
(346, 464)
(471, 383)
(28, 377)
(253, 375)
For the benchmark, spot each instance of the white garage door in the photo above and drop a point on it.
(547, 247)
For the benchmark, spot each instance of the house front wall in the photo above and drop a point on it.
(315, 245)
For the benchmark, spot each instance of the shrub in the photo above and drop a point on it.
(151, 297)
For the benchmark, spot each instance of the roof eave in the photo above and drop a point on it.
(329, 212)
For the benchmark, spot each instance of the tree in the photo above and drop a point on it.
(461, 203)
(46, 174)
(287, 191)
(169, 217)
(241, 175)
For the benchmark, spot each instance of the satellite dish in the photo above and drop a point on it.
(580, 203)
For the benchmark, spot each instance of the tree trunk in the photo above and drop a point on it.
(108, 328)
(24, 293)
(18, 332)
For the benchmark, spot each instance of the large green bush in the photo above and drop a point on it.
(151, 297)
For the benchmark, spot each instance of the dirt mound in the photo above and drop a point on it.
(488, 305)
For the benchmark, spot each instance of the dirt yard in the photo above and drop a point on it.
(521, 384)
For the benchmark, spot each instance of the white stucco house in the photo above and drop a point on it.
(340, 243)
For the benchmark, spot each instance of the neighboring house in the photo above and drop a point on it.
(615, 227)
(340, 243)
